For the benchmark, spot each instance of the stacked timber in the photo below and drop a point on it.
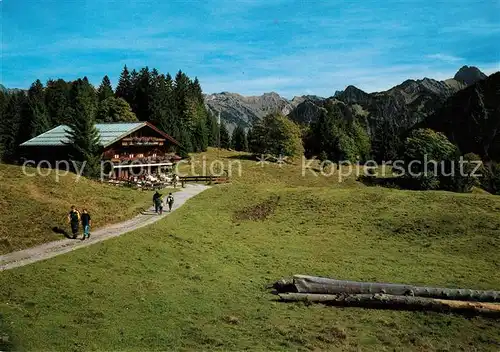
(385, 295)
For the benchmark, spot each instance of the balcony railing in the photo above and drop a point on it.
(125, 160)
(143, 141)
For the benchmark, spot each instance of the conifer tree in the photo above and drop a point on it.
(38, 118)
(3, 105)
(200, 136)
(239, 139)
(124, 88)
(105, 90)
(170, 118)
(251, 143)
(83, 136)
(212, 129)
(195, 90)
(143, 91)
(57, 101)
(11, 126)
(225, 139)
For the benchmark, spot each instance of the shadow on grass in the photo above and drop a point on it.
(62, 231)
(374, 305)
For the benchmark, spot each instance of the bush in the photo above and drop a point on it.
(427, 156)
(491, 179)
(465, 175)
(339, 139)
(276, 135)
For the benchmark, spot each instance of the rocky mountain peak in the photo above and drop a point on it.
(469, 75)
(242, 110)
(352, 94)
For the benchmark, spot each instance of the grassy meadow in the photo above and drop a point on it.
(196, 279)
(31, 206)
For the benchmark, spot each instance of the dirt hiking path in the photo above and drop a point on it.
(51, 249)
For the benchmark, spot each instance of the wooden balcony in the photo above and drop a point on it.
(143, 141)
(125, 160)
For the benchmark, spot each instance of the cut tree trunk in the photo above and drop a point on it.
(320, 285)
(395, 302)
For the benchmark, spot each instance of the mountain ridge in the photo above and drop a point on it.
(237, 109)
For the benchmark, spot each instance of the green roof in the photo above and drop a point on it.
(108, 134)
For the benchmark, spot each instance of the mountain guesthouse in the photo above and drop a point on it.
(128, 148)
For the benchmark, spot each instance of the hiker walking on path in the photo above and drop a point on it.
(86, 222)
(159, 200)
(156, 203)
(170, 201)
(74, 220)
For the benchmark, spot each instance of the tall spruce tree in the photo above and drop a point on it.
(195, 90)
(170, 118)
(239, 139)
(225, 139)
(143, 90)
(184, 109)
(252, 147)
(212, 129)
(3, 105)
(57, 101)
(200, 137)
(83, 135)
(12, 120)
(38, 116)
(124, 88)
(159, 101)
(105, 90)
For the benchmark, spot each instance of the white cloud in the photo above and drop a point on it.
(445, 58)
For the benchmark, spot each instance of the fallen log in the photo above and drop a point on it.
(313, 284)
(395, 302)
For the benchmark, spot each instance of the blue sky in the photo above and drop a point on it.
(250, 46)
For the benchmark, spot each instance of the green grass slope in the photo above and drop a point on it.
(196, 280)
(31, 206)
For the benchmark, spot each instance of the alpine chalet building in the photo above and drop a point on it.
(127, 148)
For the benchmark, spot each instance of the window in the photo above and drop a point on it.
(117, 156)
(154, 155)
(140, 155)
(131, 155)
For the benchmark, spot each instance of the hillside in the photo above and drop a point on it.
(389, 114)
(403, 105)
(196, 280)
(471, 118)
(32, 206)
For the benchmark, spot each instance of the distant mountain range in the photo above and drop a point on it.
(242, 110)
(236, 109)
(403, 105)
(466, 108)
(9, 90)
